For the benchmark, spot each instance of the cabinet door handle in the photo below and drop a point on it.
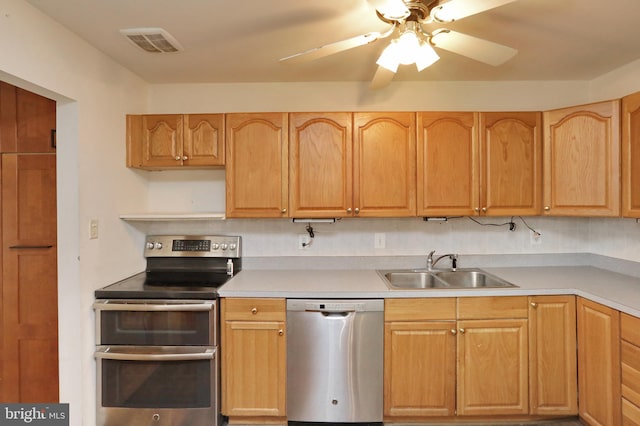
(534, 304)
(283, 211)
(54, 143)
(349, 210)
(30, 247)
(547, 208)
(462, 331)
(185, 158)
(454, 331)
(484, 210)
(178, 158)
(477, 209)
(280, 332)
(357, 210)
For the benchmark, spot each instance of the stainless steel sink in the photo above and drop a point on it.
(460, 279)
(412, 280)
(472, 278)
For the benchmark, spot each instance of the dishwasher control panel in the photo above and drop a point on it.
(335, 305)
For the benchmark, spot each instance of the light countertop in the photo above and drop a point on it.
(618, 291)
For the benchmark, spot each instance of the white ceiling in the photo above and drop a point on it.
(241, 41)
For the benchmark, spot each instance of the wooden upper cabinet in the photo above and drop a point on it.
(631, 155)
(320, 164)
(159, 141)
(511, 163)
(448, 174)
(27, 121)
(257, 165)
(582, 160)
(384, 164)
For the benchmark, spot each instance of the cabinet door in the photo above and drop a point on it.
(203, 143)
(254, 368)
(320, 164)
(160, 137)
(599, 363)
(384, 171)
(256, 165)
(582, 160)
(419, 372)
(27, 121)
(493, 367)
(553, 371)
(448, 178)
(511, 163)
(631, 155)
(29, 292)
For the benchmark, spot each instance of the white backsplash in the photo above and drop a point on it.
(204, 191)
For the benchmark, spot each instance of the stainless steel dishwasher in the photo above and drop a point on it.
(335, 360)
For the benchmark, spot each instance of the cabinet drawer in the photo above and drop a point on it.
(241, 309)
(630, 329)
(492, 307)
(630, 413)
(630, 357)
(420, 309)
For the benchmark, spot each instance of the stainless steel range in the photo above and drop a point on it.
(157, 347)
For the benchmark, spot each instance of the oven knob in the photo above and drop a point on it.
(150, 245)
(216, 246)
(224, 246)
(158, 246)
(232, 246)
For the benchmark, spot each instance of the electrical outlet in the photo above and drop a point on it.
(535, 238)
(304, 241)
(93, 229)
(379, 240)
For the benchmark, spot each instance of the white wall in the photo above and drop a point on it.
(93, 94)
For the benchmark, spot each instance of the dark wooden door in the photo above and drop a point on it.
(29, 308)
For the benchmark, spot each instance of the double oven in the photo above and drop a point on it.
(157, 334)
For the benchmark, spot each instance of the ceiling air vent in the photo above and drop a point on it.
(154, 40)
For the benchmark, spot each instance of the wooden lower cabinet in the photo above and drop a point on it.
(630, 366)
(475, 348)
(599, 363)
(552, 356)
(254, 360)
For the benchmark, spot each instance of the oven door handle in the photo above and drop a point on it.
(109, 352)
(147, 307)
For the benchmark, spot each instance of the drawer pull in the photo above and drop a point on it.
(254, 311)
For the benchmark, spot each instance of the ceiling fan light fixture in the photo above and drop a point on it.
(389, 59)
(426, 56)
(408, 47)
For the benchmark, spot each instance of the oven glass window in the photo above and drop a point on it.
(143, 328)
(156, 384)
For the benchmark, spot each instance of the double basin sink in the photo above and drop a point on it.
(412, 279)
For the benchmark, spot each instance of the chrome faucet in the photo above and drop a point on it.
(431, 262)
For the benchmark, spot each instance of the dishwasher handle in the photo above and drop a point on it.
(330, 306)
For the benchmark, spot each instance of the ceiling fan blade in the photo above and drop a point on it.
(391, 9)
(381, 78)
(331, 48)
(472, 47)
(458, 9)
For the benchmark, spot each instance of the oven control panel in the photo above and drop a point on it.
(192, 246)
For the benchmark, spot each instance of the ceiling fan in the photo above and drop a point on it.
(414, 45)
